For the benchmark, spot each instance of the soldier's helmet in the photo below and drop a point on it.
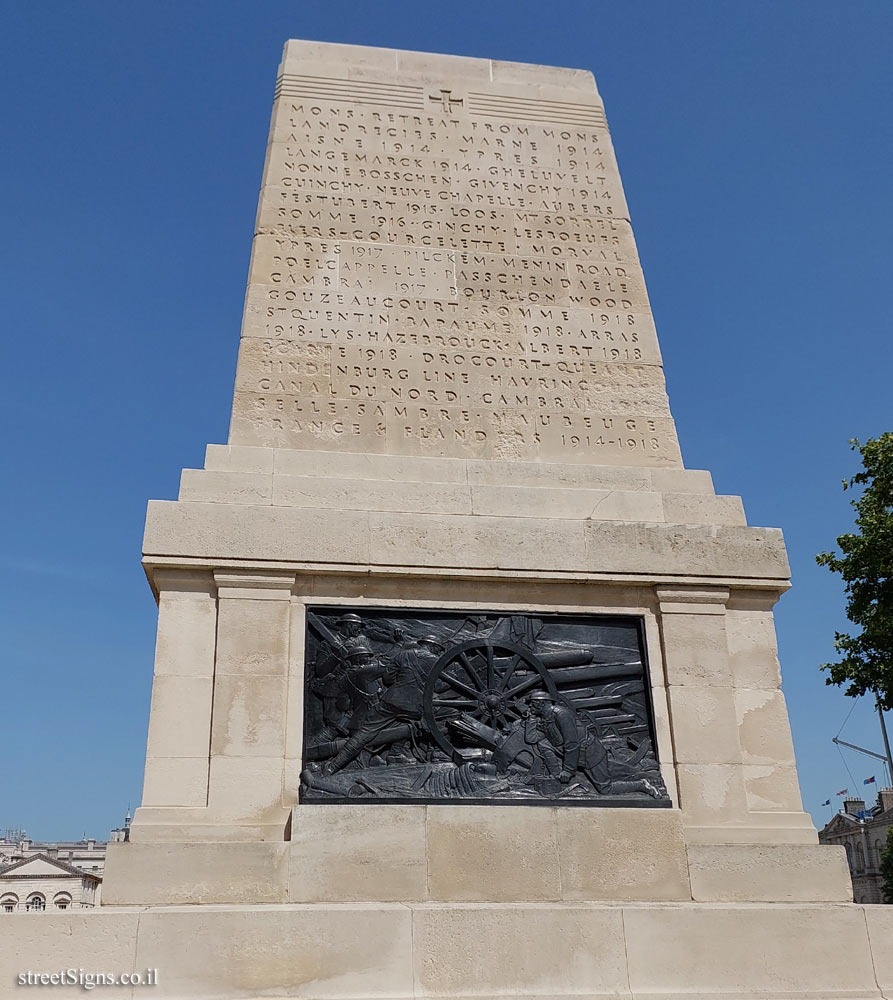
(431, 640)
(350, 619)
(357, 649)
(540, 696)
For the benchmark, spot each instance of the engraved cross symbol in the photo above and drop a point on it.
(446, 101)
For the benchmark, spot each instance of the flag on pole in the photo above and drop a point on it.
(843, 791)
(869, 781)
(827, 802)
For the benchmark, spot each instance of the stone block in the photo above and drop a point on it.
(490, 542)
(201, 825)
(254, 585)
(757, 828)
(311, 952)
(175, 781)
(705, 729)
(576, 504)
(759, 951)
(622, 854)
(524, 73)
(356, 465)
(541, 950)
(763, 727)
(231, 531)
(365, 494)
(299, 56)
(197, 485)
(247, 789)
(772, 788)
(249, 716)
(357, 852)
(166, 874)
(435, 67)
(252, 637)
(683, 550)
(186, 636)
(233, 458)
(180, 717)
(880, 933)
(695, 508)
(770, 873)
(753, 649)
(712, 794)
(556, 475)
(682, 481)
(695, 650)
(92, 940)
(476, 853)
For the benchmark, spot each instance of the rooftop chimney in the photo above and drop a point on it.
(885, 798)
(852, 807)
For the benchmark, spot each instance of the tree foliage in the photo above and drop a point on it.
(886, 868)
(866, 565)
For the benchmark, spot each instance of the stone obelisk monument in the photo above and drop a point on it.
(464, 684)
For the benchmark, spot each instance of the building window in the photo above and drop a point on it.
(860, 858)
(9, 904)
(35, 903)
(62, 901)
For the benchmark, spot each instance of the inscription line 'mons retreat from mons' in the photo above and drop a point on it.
(447, 272)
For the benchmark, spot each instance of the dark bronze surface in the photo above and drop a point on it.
(407, 705)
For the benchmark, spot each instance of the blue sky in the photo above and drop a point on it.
(755, 145)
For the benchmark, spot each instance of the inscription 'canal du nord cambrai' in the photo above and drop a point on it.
(454, 276)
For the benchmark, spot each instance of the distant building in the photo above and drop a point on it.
(42, 883)
(63, 875)
(863, 832)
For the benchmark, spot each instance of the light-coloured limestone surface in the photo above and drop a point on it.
(449, 394)
(366, 852)
(771, 873)
(443, 265)
(462, 853)
(725, 749)
(149, 874)
(644, 951)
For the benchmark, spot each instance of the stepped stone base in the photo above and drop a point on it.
(460, 853)
(643, 951)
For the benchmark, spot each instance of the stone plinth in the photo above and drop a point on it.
(323, 951)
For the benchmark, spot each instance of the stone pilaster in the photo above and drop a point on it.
(177, 757)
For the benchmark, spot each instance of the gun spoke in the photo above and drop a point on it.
(515, 660)
(453, 702)
(454, 682)
(469, 669)
(523, 687)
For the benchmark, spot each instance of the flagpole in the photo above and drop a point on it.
(889, 760)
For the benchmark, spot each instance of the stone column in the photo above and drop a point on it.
(767, 750)
(248, 730)
(702, 706)
(731, 737)
(180, 721)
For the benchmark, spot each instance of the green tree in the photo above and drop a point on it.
(886, 868)
(866, 565)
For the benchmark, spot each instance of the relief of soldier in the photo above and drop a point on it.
(431, 706)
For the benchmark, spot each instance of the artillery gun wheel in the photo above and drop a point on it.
(486, 680)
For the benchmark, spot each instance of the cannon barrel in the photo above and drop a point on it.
(562, 658)
(592, 672)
